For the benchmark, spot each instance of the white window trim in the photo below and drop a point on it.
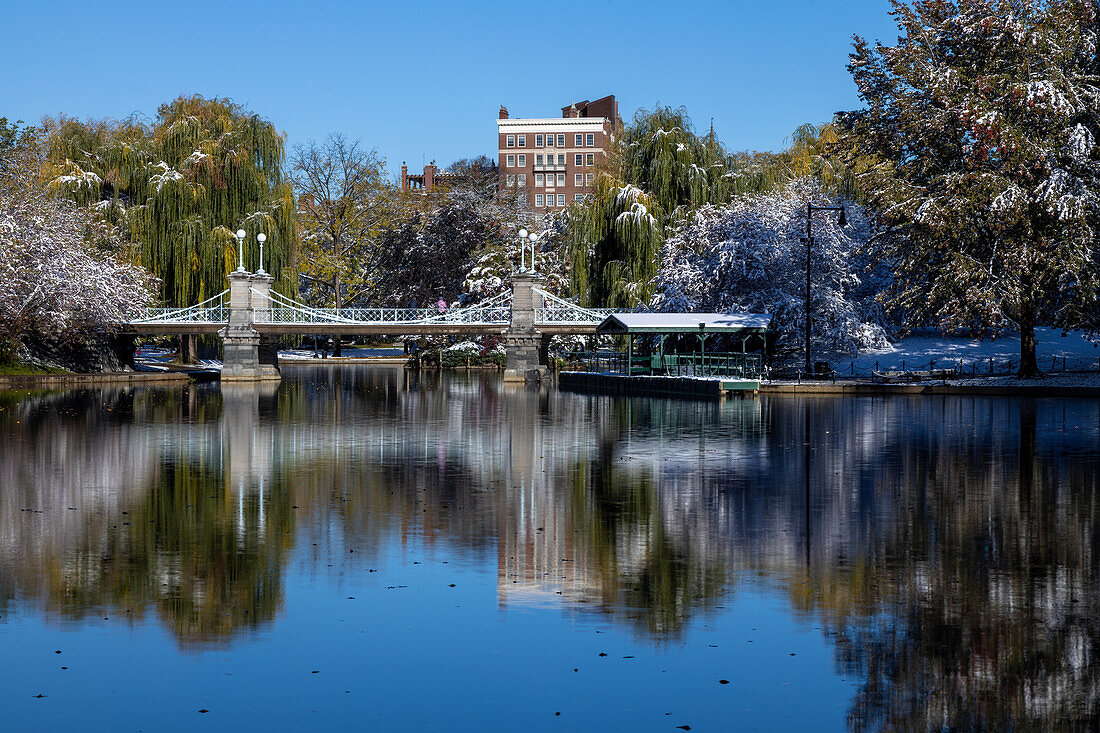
(578, 179)
(509, 161)
(538, 199)
(590, 139)
(561, 179)
(521, 140)
(510, 141)
(510, 181)
(538, 140)
(539, 180)
(578, 159)
(561, 199)
(521, 180)
(590, 159)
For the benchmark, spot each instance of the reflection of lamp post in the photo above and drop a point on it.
(240, 250)
(809, 240)
(261, 238)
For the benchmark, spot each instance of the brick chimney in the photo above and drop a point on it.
(503, 113)
(404, 176)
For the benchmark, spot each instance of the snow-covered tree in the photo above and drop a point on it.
(53, 282)
(984, 119)
(180, 186)
(748, 256)
(658, 169)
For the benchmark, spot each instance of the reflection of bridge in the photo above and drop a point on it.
(249, 317)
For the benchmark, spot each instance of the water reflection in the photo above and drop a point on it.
(946, 546)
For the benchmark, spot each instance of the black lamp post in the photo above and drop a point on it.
(809, 240)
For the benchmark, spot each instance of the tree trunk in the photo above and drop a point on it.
(339, 304)
(1029, 366)
(189, 348)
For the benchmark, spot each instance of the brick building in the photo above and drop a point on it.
(425, 181)
(553, 159)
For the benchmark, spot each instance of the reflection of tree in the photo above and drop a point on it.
(154, 528)
(976, 606)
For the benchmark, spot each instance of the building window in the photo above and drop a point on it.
(521, 180)
(522, 160)
(511, 180)
(588, 179)
(538, 199)
(538, 180)
(549, 141)
(538, 141)
(577, 140)
(511, 161)
(511, 141)
(522, 196)
(561, 140)
(561, 159)
(521, 141)
(590, 139)
(578, 159)
(578, 197)
(561, 179)
(588, 159)
(561, 199)
(538, 159)
(578, 179)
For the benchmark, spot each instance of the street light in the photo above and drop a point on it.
(809, 240)
(261, 238)
(522, 249)
(240, 250)
(533, 237)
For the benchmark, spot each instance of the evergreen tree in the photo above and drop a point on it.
(180, 187)
(984, 119)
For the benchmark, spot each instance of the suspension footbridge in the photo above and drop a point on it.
(249, 316)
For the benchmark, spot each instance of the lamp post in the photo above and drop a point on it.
(809, 240)
(532, 238)
(261, 238)
(240, 250)
(522, 248)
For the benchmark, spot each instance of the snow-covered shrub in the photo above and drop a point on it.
(748, 255)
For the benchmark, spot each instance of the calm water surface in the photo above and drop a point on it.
(356, 549)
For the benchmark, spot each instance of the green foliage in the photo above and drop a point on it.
(181, 186)
(658, 169)
(984, 120)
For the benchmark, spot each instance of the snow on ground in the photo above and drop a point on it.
(919, 352)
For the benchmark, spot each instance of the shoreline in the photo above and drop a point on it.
(22, 381)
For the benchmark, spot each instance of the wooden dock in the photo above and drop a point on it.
(620, 384)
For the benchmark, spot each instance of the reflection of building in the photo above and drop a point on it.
(554, 160)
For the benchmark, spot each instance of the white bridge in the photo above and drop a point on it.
(249, 316)
(275, 313)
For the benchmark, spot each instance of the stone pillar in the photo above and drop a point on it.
(268, 350)
(524, 357)
(240, 360)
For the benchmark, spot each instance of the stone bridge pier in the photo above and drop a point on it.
(248, 356)
(525, 348)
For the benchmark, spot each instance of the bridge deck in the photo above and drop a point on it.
(355, 329)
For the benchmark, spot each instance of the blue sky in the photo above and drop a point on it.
(422, 81)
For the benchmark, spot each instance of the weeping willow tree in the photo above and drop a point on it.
(180, 187)
(657, 170)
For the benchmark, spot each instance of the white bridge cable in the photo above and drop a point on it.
(214, 309)
(559, 310)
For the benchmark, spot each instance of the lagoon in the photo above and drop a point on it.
(363, 548)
